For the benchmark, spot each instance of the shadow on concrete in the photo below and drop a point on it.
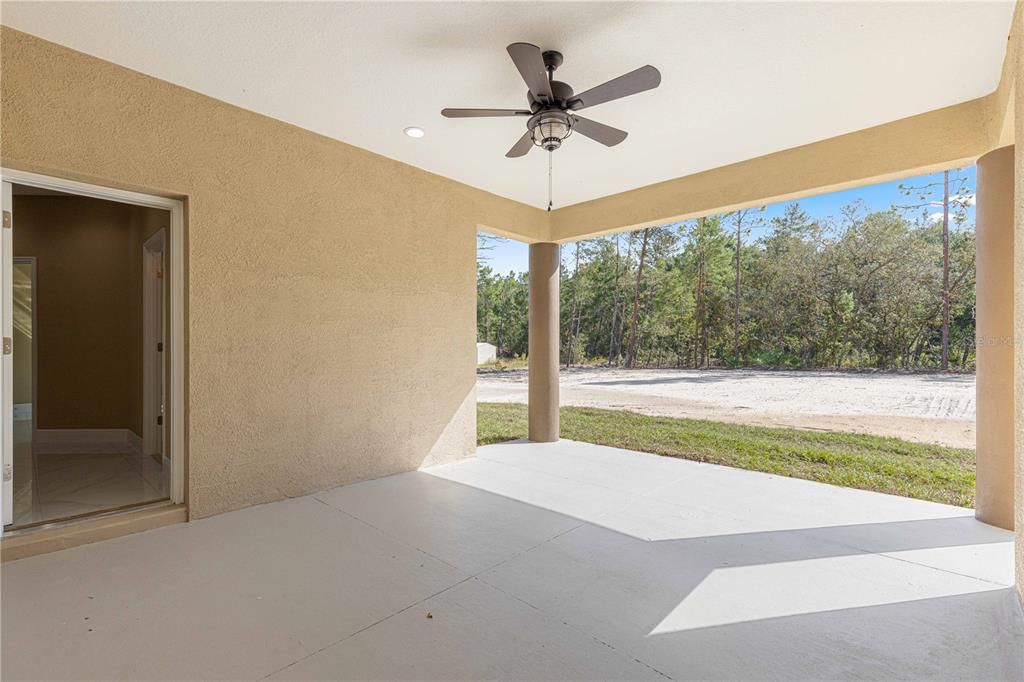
(859, 601)
(530, 573)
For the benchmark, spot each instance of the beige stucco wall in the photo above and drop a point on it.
(330, 292)
(1018, 294)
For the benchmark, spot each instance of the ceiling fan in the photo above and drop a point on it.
(553, 104)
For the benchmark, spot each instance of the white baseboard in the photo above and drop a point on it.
(23, 412)
(76, 441)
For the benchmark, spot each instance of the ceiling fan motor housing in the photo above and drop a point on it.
(561, 97)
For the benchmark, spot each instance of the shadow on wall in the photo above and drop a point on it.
(404, 434)
(457, 438)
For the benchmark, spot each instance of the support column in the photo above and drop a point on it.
(544, 334)
(994, 492)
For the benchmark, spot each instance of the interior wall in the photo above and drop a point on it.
(330, 291)
(88, 308)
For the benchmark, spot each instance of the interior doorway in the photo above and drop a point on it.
(23, 322)
(91, 370)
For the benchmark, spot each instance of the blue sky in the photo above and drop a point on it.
(507, 255)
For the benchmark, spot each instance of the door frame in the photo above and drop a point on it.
(154, 332)
(7, 359)
(174, 257)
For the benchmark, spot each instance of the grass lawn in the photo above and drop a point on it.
(502, 364)
(888, 465)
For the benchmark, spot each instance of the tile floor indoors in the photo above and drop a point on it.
(553, 561)
(51, 484)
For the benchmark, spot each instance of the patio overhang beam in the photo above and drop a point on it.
(936, 140)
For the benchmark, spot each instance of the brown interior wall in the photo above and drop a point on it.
(88, 308)
(330, 291)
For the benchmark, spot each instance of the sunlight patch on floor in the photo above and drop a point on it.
(741, 594)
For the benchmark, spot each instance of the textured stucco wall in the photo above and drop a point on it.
(331, 291)
(1018, 303)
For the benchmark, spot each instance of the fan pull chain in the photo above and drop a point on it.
(550, 200)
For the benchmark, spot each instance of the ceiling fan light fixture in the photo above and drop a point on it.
(550, 128)
(552, 104)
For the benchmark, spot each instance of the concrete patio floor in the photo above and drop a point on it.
(534, 561)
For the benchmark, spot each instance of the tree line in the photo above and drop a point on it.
(884, 289)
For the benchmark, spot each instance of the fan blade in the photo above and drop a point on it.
(599, 132)
(644, 78)
(530, 62)
(521, 147)
(479, 113)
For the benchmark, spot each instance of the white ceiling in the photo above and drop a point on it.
(738, 80)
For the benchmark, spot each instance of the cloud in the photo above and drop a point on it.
(935, 217)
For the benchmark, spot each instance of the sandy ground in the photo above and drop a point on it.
(931, 408)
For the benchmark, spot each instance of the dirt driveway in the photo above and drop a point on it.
(933, 408)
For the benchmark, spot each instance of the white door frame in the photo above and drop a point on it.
(154, 340)
(175, 259)
(7, 359)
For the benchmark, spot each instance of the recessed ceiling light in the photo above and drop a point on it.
(413, 131)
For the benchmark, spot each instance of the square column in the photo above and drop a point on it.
(994, 488)
(544, 342)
